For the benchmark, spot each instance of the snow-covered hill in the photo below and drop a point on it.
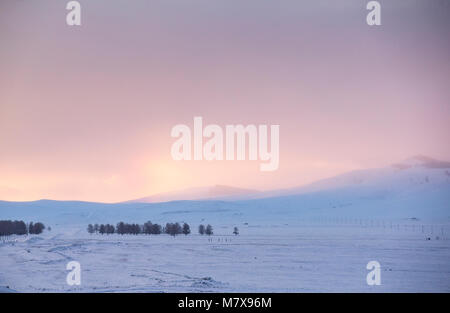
(416, 172)
(217, 192)
(418, 188)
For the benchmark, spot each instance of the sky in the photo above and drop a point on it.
(86, 111)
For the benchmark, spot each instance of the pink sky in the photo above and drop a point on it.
(86, 113)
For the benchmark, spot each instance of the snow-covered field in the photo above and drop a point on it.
(316, 238)
(305, 258)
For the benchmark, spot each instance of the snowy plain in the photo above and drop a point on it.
(314, 239)
(308, 258)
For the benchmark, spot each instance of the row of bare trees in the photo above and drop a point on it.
(205, 230)
(148, 228)
(20, 228)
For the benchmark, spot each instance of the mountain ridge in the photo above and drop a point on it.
(418, 191)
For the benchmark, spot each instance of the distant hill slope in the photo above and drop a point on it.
(406, 175)
(414, 189)
(217, 192)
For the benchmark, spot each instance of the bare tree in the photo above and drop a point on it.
(186, 229)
